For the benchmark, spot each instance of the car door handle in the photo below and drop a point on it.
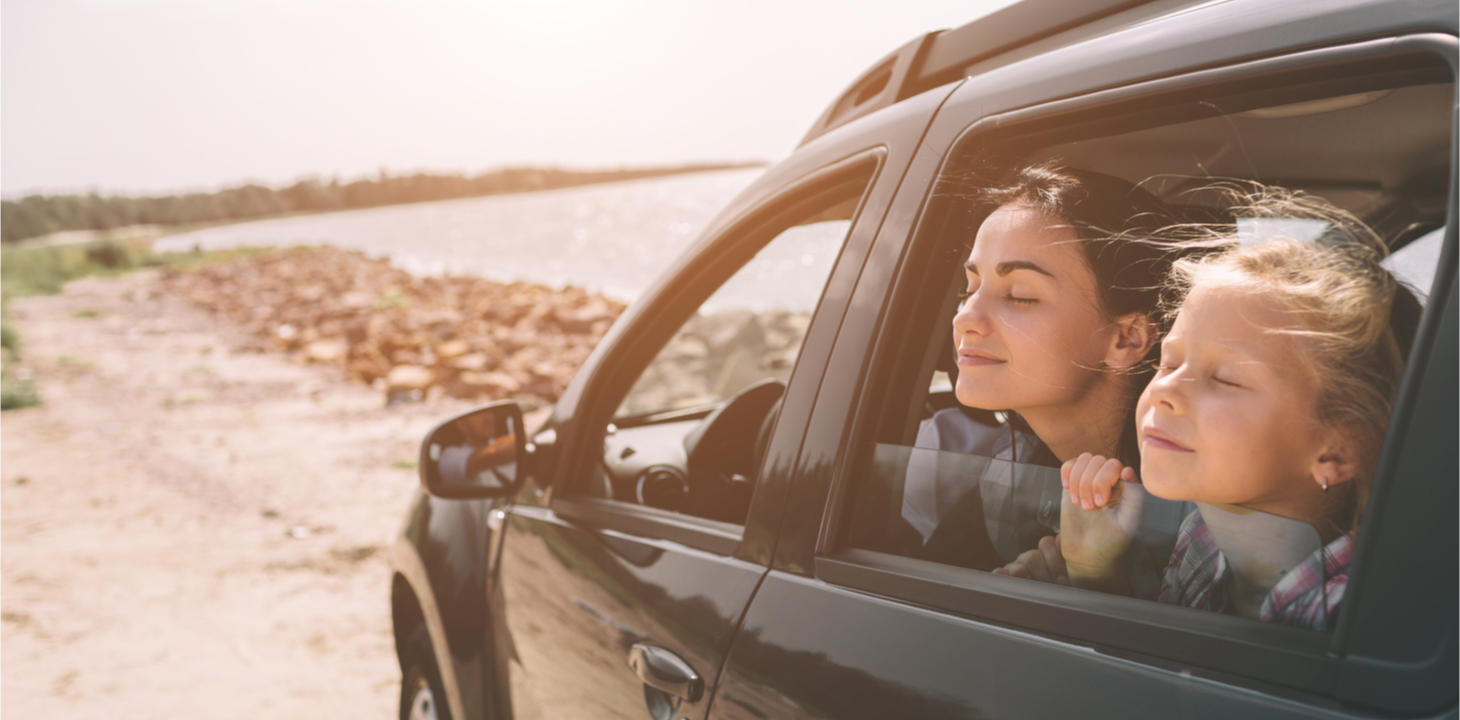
(662, 669)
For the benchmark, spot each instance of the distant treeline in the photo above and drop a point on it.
(37, 215)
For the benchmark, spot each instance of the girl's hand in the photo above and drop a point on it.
(1044, 564)
(1098, 519)
(1091, 479)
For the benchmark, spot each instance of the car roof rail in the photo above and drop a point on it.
(941, 57)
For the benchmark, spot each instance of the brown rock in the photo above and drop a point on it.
(452, 349)
(409, 377)
(326, 351)
(475, 362)
(367, 370)
(503, 381)
(330, 305)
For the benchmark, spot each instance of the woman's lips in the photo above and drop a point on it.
(1156, 438)
(973, 358)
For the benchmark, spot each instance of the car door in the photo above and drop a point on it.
(626, 565)
(847, 625)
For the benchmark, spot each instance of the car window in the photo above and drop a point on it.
(689, 434)
(967, 462)
(751, 328)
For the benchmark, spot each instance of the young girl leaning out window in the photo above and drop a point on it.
(1273, 393)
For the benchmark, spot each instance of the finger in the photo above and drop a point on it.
(1129, 475)
(1054, 560)
(1065, 473)
(1017, 569)
(1077, 475)
(1087, 481)
(1033, 561)
(1128, 514)
(1106, 476)
(1081, 463)
(999, 571)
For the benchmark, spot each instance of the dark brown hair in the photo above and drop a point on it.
(1117, 223)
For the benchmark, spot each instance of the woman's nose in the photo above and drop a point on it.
(971, 317)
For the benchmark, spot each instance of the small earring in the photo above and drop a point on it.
(1325, 484)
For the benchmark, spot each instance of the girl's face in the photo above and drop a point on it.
(1030, 334)
(1229, 417)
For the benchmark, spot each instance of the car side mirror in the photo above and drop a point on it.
(478, 454)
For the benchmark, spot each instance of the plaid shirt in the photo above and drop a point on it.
(1307, 596)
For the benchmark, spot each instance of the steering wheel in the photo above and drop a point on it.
(721, 454)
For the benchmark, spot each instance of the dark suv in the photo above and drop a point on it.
(713, 522)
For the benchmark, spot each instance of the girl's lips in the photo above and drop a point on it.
(968, 357)
(1156, 438)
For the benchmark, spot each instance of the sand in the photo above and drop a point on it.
(191, 529)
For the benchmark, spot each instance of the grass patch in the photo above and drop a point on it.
(10, 338)
(75, 363)
(45, 269)
(17, 387)
(17, 394)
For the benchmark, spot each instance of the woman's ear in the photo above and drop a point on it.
(1134, 336)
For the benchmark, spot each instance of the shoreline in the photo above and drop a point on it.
(16, 212)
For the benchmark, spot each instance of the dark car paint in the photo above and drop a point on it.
(809, 508)
(843, 654)
(442, 555)
(433, 567)
(621, 588)
(809, 648)
(577, 598)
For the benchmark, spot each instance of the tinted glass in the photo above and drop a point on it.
(751, 328)
(1233, 399)
(689, 435)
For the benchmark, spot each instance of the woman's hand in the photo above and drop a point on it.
(1044, 564)
(1099, 516)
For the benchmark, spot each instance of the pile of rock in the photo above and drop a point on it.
(409, 336)
(715, 355)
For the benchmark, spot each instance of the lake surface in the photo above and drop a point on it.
(613, 238)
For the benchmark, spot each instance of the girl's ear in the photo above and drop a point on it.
(1134, 336)
(1334, 465)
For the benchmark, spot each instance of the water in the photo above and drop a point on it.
(613, 238)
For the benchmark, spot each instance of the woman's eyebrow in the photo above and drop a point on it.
(1004, 268)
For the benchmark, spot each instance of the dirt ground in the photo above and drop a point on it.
(191, 530)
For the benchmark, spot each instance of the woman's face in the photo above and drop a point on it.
(1030, 334)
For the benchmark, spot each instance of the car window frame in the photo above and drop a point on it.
(1265, 657)
(666, 313)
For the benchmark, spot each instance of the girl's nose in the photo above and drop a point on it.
(971, 317)
(1167, 392)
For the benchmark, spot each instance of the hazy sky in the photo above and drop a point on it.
(163, 95)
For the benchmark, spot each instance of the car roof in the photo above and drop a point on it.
(1025, 28)
(941, 56)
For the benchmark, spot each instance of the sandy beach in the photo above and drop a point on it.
(193, 528)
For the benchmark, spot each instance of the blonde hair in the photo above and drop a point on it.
(1355, 320)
